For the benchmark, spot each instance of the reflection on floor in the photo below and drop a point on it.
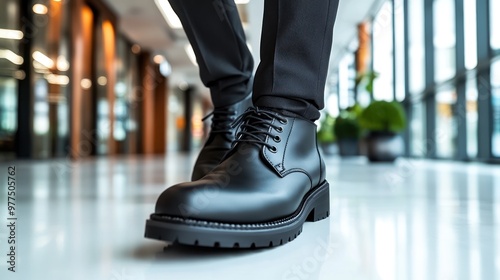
(413, 220)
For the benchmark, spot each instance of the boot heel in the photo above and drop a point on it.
(321, 208)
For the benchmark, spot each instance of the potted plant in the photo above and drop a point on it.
(326, 137)
(384, 122)
(348, 131)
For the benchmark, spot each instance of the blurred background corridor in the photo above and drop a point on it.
(101, 108)
(100, 78)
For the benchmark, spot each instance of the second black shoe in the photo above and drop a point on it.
(221, 137)
(260, 195)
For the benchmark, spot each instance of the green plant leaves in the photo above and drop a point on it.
(383, 116)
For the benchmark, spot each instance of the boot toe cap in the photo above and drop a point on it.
(235, 203)
(175, 201)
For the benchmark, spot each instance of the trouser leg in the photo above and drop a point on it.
(215, 31)
(295, 52)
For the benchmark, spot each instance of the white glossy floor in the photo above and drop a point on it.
(417, 220)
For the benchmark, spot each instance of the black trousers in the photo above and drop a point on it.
(295, 52)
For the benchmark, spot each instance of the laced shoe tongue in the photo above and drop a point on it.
(255, 126)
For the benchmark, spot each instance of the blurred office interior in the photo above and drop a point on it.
(103, 78)
(101, 108)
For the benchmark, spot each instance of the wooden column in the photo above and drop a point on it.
(82, 106)
(109, 36)
(146, 103)
(77, 52)
(364, 50)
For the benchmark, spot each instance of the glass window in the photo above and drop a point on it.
(418, 144)
(332, 100)
(332, 105)
(446, 129)
(495, 22)
(495, 99)
(8, 106)
(416, 46)
(103, 125)
(51, 68)
(10, 60)
(470, 35)
(41, 120)
(120, 106)
(444, 39)
(399, 51)
(8, 114)
(125, 108)
(472, 115)
(470, 56)
(347, 81)
(133, 85)
(383, 56)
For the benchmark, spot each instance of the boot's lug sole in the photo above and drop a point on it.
(314, 207)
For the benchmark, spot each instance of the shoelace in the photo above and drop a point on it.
(222, 121)
(255, 124)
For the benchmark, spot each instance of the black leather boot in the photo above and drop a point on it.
(267, 186)
(221, 137)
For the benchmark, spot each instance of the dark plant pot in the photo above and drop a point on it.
(329, 149)
(348, 147)
(384, 146)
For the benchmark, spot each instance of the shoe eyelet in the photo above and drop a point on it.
(279, 129)
(277, 139)
(284, 121)
(273, 149)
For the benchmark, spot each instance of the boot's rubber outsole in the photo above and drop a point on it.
(315, 206)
